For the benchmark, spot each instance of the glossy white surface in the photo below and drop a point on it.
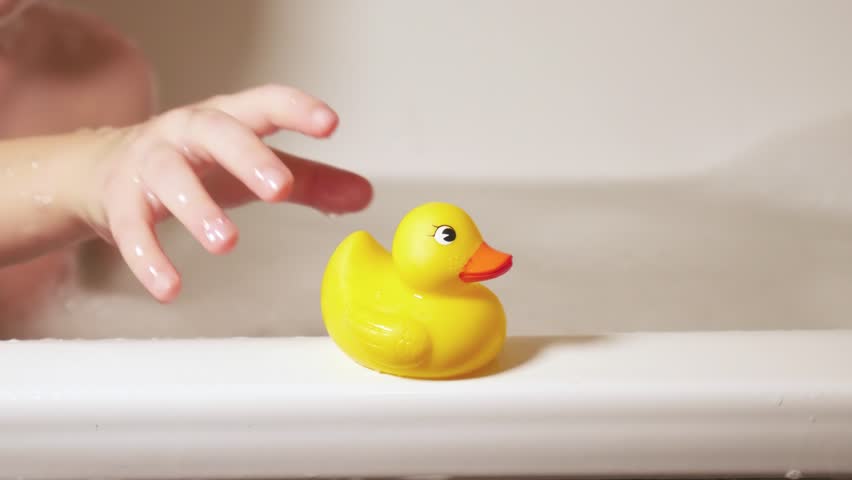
(709, 403)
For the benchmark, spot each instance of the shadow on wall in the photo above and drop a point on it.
(193, 59)
(809, 168)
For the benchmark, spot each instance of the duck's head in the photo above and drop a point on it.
(437, 245)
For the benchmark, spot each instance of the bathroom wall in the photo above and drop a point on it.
(727, 118)
(513, 89)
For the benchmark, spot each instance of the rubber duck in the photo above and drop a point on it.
(418, 311)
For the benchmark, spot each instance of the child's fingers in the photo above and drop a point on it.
(132, 227)
(326, 188)
(168, 175)
(233, 146)
(270, 108)
(323, 187)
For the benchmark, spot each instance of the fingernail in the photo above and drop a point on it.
(217, 230)
(161, 281)
(322, 118)
(272, 177)
(153, 201)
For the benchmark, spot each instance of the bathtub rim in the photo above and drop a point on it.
(769, 403)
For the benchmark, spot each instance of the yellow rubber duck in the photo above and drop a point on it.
(419, 310)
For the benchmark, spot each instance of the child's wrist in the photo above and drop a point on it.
(81, 175)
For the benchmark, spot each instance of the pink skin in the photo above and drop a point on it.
(43, 92)
(8, 7)
(191, 162)
(185, 160)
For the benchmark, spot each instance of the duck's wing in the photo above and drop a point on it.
(391, 338)
(360, 271)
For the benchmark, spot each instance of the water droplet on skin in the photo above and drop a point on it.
(161, 282)
(213, 230)
(182, 198)
(137, 180)
(271, 178)
(138, 250)
(43, 199)
(34, 164)
(152, 199)
(793, 474)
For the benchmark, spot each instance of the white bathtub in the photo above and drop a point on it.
(685, 327)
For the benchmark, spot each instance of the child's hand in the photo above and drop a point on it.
(192, 162)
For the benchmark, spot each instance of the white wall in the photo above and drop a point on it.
(759, 91)
(511, 88)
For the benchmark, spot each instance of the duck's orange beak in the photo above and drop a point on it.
(485, 264)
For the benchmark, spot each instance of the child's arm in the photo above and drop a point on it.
(191, 163)
(39, 177)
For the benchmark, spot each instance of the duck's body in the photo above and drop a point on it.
(388, 322)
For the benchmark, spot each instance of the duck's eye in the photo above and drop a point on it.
(445, 235)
